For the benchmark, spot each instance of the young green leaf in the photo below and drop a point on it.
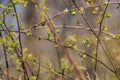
(108, 15)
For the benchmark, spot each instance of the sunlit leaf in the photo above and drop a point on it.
(29, 33)
(74, 13)
(108, 15)
(33, 78)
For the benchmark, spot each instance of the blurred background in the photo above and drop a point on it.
(69, 24)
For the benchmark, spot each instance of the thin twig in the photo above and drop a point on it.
(6, 59)
(20, 42)
(39, 67)
(97, 38)
(99, 34)
(51, 26)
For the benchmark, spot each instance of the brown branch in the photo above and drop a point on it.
(6, 59)
(104, 49)
(20, 42)
(98, 5)
(99, 34)
(41, 37)
(51, 26)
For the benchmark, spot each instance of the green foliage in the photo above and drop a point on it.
(78, 22)
(74, 12)
(50, 36)
(71, 41)
(23, 2)
(98, 19)
(0, 67)
(117, 37)
(86, 42)
(58, 31)
(29, 33)
(11, 41)
(43, 13)
(19, 69)
(43, 23)
(2, 24)
(33, 78)
(56, 46)
(65, 10)
(118, 6)
(12, 56)
(8, 10)
(90, 1)
(22, 27)
(108, 15)
(106, 38)
(11, 26)
(105, 28)
(96, 10)
(81, 11)
(2, 6)
(64, 65)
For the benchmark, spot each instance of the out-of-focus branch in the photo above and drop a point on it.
(71, 59)
(97, 36)
(103, 4)
(6, 59)
(20, 42)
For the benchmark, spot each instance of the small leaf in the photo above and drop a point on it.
(25, 50)
(19, 69)
(34, 59)
(118, 6)
(50, 36)
(8, 10)
(22, 28)
(43, 23)
(78, 22)
(18, 61)
(73, 13)
(81, 10)
(108, 15)
(84, 56)
(28, 57)
(106, 2)
(86, 41)
(56, 46)
(117, 36)
(2, 6)
(71, 40)
(75, 48)
(1, 24)
(14, 44)
(106, 38)
(65, 10)
(13, 34)
(58, 31)
(11, 26)
(82, 68)
(40, 37)
(13, 14)
(105, 28)
(12, 56)
(92, 60)
(29, 33)
(98, 20)
(33, 78)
